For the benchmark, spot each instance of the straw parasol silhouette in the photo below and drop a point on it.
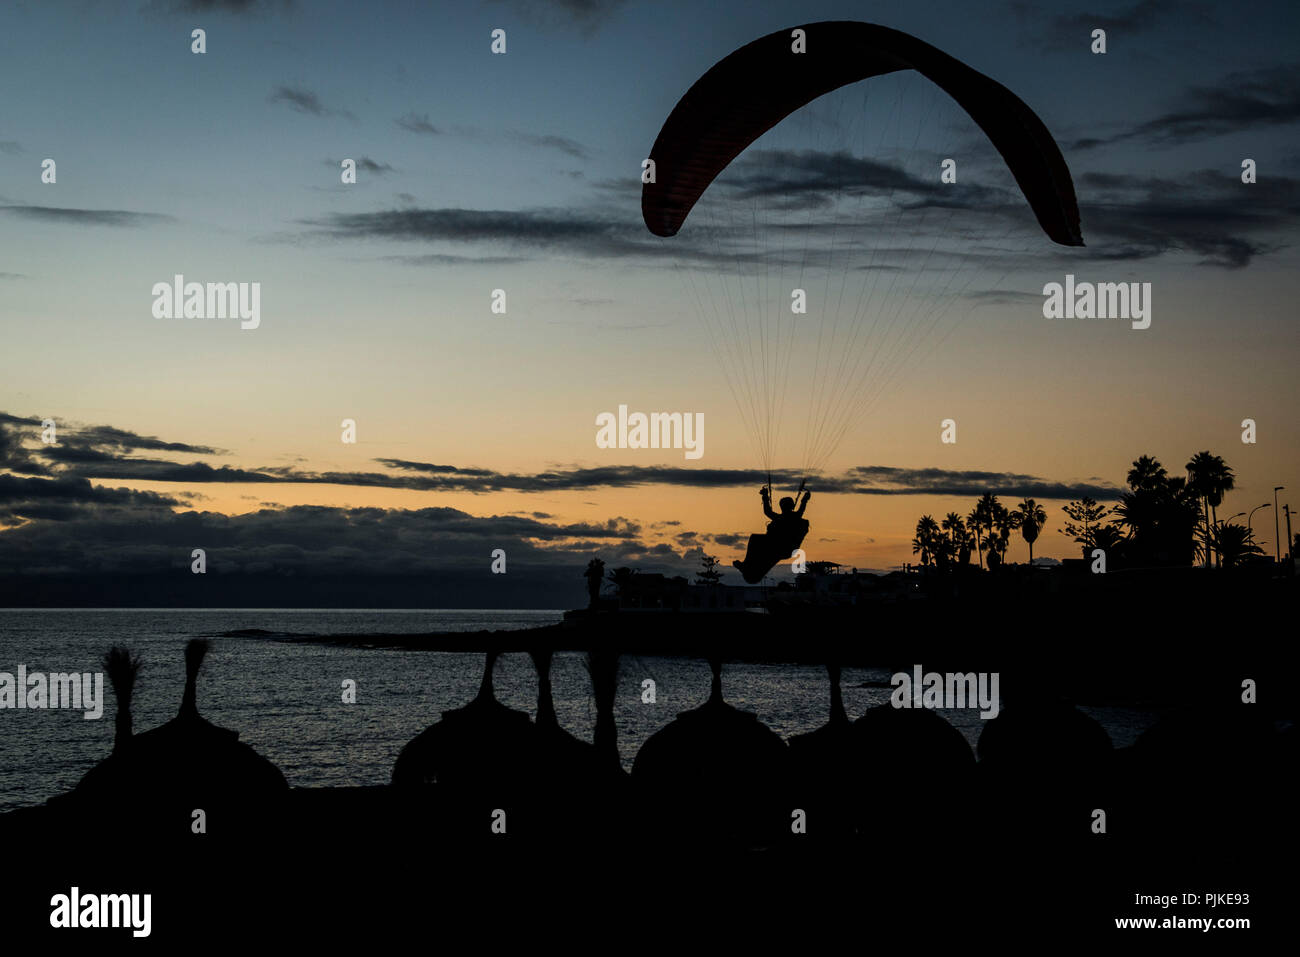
(481, 747)
(715, 771)
(825, 768)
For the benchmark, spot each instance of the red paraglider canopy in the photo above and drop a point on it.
(748, 92)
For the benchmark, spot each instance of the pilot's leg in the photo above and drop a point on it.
(752, 553)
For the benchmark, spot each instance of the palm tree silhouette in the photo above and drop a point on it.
(1210, 478)
(1233, 542)
(1146, 473)
(927, 535)
(594, 574)
(1031, 518)
(956, 529)
(1161, 514)
(981, 520)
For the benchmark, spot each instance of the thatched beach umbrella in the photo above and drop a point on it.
(483, 747)
(1045, 766)
(715, 771)
(826, 769)
(162, 777)
(558, 753)
(192, 755)
(919, 773)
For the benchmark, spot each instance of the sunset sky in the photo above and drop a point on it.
(521, 172)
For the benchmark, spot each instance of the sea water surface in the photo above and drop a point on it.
(285, 698)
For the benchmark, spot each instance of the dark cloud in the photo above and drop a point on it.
(810, 179)
(1242, 100)
(533, 233)
(90, 541)
(418, 123)
(106, 435)
(366, 164)
(1210, 214)
(430, 467)
(589, 15)
(1071, 30)
(886, 480)
(102, 452)
(24, 499)
(806, 180)
(562, 143)
(539, 228)
(103, 435)
(238, 7)
(451, 259)
(85, 217)
(299, 539)
(302, 100)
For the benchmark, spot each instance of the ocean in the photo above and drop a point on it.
(285, 698)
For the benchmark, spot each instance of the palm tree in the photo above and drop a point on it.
(955, 527)
(1220, 482)
(1031, 518)
(621, 577)
(927, 536)
(1002, 521)
(1161, 514)
(1233, 542)
(1146, 473)
(1199, 470)
(957, 536)
(981, 519)
(973, 526)
(1107, 538)
(594, 574)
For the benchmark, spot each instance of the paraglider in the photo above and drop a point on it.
(823, 265)
(748, 92)
(785, 533)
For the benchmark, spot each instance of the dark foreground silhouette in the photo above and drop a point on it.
(887, 820)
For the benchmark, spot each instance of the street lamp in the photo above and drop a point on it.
(1251, 518)
(1277, 541)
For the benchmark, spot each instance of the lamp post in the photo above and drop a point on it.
(1277, 541)
(1289, 550)
(1251, 516)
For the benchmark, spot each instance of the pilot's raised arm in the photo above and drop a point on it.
(804, 504)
